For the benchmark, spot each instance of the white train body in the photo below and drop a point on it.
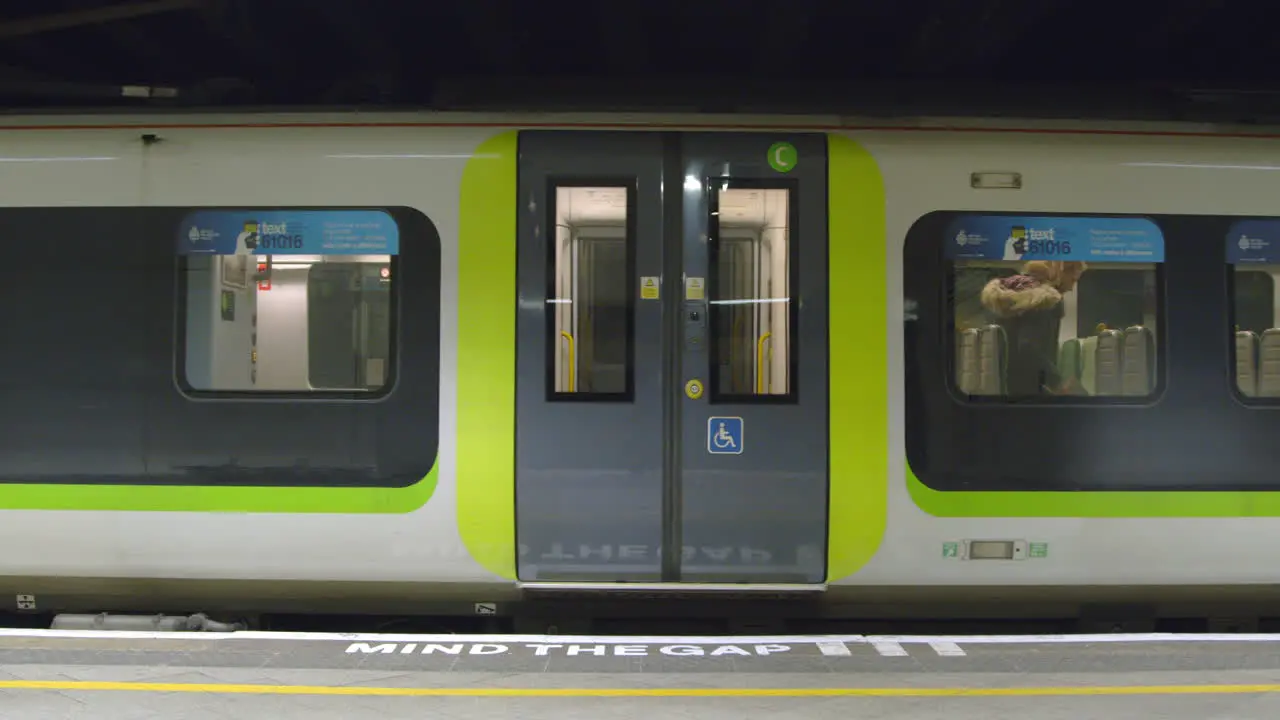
(79, 536)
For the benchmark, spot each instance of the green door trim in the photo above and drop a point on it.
(859, 422)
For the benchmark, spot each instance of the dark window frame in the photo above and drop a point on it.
(551, 340)
(713, 187)
(948, 329)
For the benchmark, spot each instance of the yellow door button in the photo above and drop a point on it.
(693, 389)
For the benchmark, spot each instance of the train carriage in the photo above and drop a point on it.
(269, 362)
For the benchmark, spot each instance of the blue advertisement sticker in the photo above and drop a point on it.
(1254, 242)
(1019, 238)
(288, 232)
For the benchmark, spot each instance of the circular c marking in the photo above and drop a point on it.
(783, 156)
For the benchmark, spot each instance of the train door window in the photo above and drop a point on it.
(590, 291)
(752, 312)
(1054, 308)
(1253, 253)
(263, 315)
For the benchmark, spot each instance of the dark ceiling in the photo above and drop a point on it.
(1187, 59)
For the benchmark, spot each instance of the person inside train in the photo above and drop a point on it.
(1028, 306)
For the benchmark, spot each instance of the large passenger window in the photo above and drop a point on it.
(590, 291)
(752, 312)
(288, 301)
(1054, 307)
(1253, 252)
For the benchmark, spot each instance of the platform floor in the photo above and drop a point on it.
(52, 674)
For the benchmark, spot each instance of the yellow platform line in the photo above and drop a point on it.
(355, 690)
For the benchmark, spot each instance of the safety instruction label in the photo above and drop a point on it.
(695, 288)
(649, 287)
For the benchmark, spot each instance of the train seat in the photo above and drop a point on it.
(1247, 362)
(992, 356)
(1138, 362)
(1070, 360)
(967, 360)
(1108, 358)
(1269, 364)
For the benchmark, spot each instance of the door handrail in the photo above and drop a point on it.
(564, 334)
(760, 362)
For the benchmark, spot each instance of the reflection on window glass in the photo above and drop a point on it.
(589, 303)
(1255, 299)
(349, 323)
(1042, 328)
(1054, 306)
(751, 308)
(288, 301)
(1257, 341)
(288, 323)
(1117, 298)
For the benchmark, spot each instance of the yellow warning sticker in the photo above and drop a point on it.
(649, 287)
(694, 288)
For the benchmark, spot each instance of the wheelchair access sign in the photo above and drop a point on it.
(724, 435)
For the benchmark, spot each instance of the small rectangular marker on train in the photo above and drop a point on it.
(649, 287)
(694, 288)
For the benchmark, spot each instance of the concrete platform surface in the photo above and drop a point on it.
(108, 675)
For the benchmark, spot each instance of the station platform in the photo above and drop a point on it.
(118, 675)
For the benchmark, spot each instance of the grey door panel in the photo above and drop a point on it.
(589, 498)
(757, 513)
(615, 460)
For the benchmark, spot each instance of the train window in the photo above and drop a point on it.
(752, 272)
(1253, 251)
(288, 301)
(1254, 299)
(1115, 295)
(589, 291)
(1054, 307)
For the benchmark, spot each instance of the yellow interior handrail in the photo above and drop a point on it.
(565, 334)
(760, 362)
(769, 360)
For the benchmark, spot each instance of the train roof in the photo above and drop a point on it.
(316, 118)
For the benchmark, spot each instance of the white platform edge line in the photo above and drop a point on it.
(833, 648)
(888, 648)
(1077, 639)
(946, 649)
(643, 639)
(434, 638)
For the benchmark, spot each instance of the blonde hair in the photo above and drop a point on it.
(1055, 273)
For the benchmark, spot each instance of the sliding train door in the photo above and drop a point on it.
(671, 420)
